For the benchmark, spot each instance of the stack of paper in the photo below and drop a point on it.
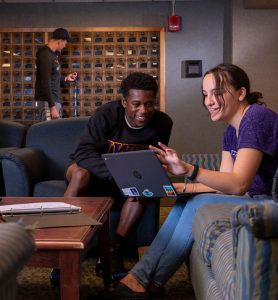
(39, 208)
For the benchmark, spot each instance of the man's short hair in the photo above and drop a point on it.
(139, 81)
(61, 34)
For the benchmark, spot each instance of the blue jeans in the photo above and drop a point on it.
(173, 243)
(44, 110)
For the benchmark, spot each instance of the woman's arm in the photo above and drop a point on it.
(227, 163)
(195, 187)
(231, 179)
(238, 180)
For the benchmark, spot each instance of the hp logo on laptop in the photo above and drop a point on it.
(137, 174)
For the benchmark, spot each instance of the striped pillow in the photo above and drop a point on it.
(204, 160)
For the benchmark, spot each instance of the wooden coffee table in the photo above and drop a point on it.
(66, 247)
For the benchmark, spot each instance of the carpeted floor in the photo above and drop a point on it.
(34, 284)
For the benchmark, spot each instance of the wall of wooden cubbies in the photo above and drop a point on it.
(102, 57)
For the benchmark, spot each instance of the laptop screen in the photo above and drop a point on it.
(139, 174)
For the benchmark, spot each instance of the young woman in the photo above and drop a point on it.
(249, 161)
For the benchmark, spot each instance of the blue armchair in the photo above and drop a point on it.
(38, 169)
(12, 136)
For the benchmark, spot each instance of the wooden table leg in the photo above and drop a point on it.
(69, 275)
(104, 244)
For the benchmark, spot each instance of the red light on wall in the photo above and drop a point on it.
(174, 23)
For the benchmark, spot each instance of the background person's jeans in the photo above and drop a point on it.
(44, 110)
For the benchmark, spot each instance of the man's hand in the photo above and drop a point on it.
(71, 77)
(54, 113)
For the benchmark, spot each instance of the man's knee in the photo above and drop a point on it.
(137, 202)
(78, 174)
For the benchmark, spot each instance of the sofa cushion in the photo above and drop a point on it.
(57, 140)
(222, 264)
(50, 188)
(209, 222)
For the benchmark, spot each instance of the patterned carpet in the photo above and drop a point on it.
(34, 284)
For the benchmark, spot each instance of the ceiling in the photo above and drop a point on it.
(72, 1)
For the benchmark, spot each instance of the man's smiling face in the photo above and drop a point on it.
(139, 107)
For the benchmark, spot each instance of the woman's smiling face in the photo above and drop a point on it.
(221, 102)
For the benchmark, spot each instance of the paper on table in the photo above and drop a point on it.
(40, 207)
(53, 220)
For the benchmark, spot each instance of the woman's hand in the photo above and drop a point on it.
(180, 187)
(169, 159)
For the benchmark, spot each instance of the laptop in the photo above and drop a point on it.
(139, 174)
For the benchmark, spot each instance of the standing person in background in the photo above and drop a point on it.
(48, 76)
(248, 165)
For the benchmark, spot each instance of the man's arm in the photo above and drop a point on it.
(45, 69)
(93, 143)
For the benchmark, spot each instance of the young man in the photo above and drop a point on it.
(127, 125)
(48, 77)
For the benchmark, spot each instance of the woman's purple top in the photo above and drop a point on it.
(258, 130)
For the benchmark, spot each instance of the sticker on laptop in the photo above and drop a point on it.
(131, 192)
(169, 190)
(147, 193)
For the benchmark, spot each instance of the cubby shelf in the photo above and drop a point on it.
(102, 57)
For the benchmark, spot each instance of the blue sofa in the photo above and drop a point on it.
(235, 250)
(38, 169)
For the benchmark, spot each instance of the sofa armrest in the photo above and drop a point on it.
(210, 221)
(13, 234)
(260, 219)
(12, 134)
(22, 168)
(16, 246)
